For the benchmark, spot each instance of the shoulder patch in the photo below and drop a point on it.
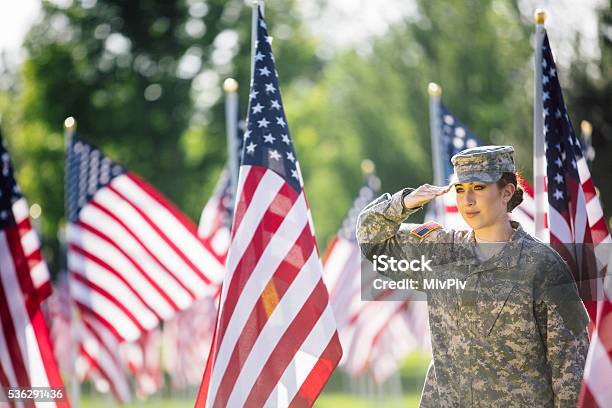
(423, 230)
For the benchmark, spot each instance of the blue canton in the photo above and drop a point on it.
(87, 171)
(9, 190)
(562, 147)
(267, 141)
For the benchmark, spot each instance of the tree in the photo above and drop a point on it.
(143, 79)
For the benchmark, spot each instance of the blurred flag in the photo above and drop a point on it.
(133, 258)
(368, 328)
(143, 360)
(26, 354)
(576, 222)
(275, 339)
(216, 219)
(184, 357)
(577, 226)
(100, 360)
(455, 137)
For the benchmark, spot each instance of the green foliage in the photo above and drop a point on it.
(373, 103)
(143, 79)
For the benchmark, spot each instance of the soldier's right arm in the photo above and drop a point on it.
(380, 231)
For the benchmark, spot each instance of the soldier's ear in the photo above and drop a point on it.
(508, 192)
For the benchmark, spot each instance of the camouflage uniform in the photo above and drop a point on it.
(514, 337)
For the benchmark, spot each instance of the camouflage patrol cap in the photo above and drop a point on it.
(483, 164)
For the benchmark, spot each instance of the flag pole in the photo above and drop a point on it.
(539, 158)
(435, 93)
(586, 129)
(230, 86)
(70, 126)
(254, 18)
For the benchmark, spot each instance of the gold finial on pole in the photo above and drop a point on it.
(367, 167)
(230, 85)
(434, 89)
(540, 16)
(586, 128)
(70, 124)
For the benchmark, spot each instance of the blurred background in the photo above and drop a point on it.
(144, 80)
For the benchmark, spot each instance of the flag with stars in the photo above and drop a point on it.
(276, 342)
(26, 354)
(455, 138)
(577, 226)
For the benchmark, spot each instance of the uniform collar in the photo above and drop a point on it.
(508, 257)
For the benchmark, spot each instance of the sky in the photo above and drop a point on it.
(361, 19)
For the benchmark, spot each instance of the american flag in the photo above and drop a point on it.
(275, 340)
(181, 353)
(216, 219)
(133, 261)
(577, 226)
(455, 138)
(99, 359)
(368, 328)
(26, 354)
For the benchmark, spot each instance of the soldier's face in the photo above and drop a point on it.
(481, 205)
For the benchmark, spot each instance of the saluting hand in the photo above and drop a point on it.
(424, 194)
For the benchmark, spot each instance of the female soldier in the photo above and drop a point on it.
(515, 334)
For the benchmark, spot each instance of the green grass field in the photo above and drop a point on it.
(335, 395)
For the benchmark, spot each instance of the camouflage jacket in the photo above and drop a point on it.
(515, 336)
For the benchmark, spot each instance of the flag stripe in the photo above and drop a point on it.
(90, 267)
(176, 228)
(314, 383)
(269, 225)
(282, 279)
(129, 250)
(271, 257)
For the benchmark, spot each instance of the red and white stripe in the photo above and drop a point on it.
(596, 390)
(143, 359)
(366, 328)
(184, 356)
(135, 260)
(275, 339)
(99, 359)
(212, 226)
(26, 355)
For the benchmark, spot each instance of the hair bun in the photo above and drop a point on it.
(516, 199)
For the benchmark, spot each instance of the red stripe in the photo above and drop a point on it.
(110, 380)
(205, 384)
(268, 225)
(10, 337)
(104, 293)
(330, 250)
(46, 353)
(287, 347)
(179, 215)
(100, 262)
(249, 187)
(142, 245)
(283, 277)
(316, 380)
(22, 269)
(94, 332)
(84, 309)
(163, 236)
